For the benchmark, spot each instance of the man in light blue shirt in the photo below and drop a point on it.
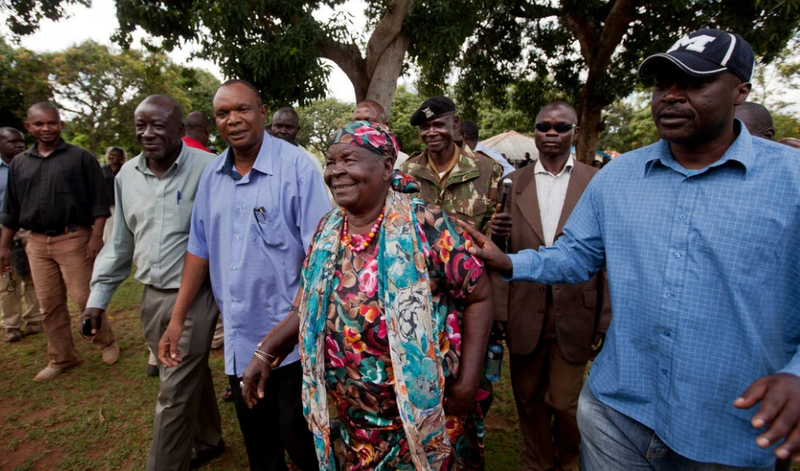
(699, 234)
(256, 210)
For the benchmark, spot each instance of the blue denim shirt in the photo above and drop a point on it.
(703, 270)
(254, 230)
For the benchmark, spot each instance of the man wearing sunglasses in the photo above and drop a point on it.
(552, 330)
(701, 364)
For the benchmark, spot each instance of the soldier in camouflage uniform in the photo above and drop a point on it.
(451, 176)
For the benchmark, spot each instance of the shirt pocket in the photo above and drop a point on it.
(472, 210)
(267, 226)
(182, 216)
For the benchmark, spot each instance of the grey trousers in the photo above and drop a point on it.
(186, 411)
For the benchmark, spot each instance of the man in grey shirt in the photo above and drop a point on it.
(154, 195)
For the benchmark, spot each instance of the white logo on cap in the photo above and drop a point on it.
(696, 44)
(428, 112)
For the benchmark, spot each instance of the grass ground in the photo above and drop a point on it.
(99, 417)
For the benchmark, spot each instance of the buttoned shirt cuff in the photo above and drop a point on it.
(197, 251)
(521, 267)
(99, 299)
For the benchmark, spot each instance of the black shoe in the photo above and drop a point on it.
(227, 394)
(151, 370)
(199, 458)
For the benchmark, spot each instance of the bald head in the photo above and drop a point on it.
(369, 110)
(286, 124)
(11, 143)
(197, 127)
(159, 128)
(756, 119)
(163, 102)
(559, 105)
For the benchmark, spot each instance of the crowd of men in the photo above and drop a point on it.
(691, 240)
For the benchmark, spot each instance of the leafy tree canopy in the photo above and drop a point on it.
(23, 16)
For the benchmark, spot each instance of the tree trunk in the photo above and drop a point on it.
(375, 77)
(591, 110)
(597, 52)
(383, 82)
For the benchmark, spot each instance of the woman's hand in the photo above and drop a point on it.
(254, 381)
(459, 398)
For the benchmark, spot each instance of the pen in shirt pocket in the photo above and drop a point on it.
(179, 197)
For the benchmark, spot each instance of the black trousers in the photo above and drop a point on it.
(276, 423)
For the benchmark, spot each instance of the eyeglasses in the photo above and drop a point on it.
(560, 128)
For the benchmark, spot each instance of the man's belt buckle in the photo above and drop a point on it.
(58, 232)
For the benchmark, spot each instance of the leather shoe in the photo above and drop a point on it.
(32, 328)
(111, 354)
(199, 458)
(49, 372)
(151, 370)
(13, 335)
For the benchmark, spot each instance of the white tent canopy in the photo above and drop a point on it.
(513, 145)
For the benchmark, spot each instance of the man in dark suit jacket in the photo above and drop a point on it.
(551, 330)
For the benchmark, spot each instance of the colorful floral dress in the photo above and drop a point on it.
(358, 366)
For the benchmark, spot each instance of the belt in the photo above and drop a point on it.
(60, 230)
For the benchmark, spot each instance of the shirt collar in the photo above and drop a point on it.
(3, 163)
(538, 168)
(740, 151)
(264, 163)
(62, 145)
(141, 162)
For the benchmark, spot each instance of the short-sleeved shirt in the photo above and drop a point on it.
(50, 193)
(255, 230)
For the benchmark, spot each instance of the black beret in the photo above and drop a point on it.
(433, 108)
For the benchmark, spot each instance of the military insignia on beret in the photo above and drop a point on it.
(432, 108)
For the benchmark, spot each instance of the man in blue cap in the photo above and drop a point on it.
(701, 246)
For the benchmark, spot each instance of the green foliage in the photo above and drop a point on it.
(404, 105)
(628, 125)
(273, 43)
(786, 125)
(99, 90)
(319, 120)
(23, 16)
(23, 79)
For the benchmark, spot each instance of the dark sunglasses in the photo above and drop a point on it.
(560, 128)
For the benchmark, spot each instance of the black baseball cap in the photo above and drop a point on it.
(432, 108)
(705, 53)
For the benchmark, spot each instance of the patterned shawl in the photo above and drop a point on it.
(406, 296)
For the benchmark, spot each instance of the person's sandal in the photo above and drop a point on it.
(13, 335)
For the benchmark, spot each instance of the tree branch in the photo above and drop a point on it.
(386, 31)
(348, 58)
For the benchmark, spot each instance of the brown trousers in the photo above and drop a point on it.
(59, 266)
(12, 289)
(546, 389)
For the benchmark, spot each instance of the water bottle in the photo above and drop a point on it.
(494, 359)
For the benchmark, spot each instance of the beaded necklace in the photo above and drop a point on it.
(362, 246)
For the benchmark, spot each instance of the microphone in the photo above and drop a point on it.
(506, 187)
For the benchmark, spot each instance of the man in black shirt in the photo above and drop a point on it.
(56, 190)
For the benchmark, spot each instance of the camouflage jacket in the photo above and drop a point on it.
(470, 191)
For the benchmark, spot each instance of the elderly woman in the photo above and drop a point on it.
(393, 316)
